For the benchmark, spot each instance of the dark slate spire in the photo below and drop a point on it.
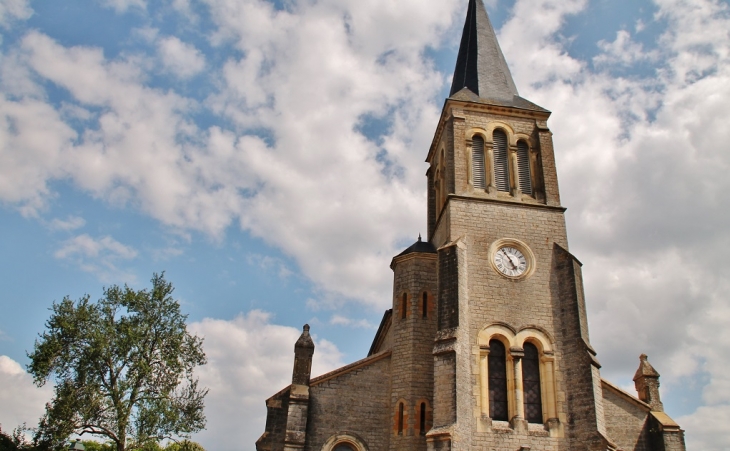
(480, 65)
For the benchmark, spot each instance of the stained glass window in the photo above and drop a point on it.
(497, 381)
(531, 384)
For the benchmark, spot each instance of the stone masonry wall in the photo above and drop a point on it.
(412, 347)
(356, 402)
(584, 418)
(626, 422)
(448, 290)
(277, 408)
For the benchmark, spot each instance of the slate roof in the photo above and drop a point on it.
(423, 247)
(481, 67)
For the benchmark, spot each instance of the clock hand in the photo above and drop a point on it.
(509, 258)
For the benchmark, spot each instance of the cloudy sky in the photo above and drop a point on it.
(268, 155)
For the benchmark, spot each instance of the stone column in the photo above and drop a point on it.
(518, 420)
(484, 380)
(551, 408)
(514, 173)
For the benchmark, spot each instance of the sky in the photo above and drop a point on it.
(269, 157)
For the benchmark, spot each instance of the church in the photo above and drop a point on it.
(486, 346)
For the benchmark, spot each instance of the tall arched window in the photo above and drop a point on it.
(501, 161)
(401, 408)
(531, 384)
(422, 419)
(477, 162)
(497, 381)
(424, 305)
(404, 306)
(523, 163)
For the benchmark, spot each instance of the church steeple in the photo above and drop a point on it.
(480, 65)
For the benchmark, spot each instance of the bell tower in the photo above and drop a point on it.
(513, 365)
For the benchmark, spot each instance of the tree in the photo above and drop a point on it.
(184, 446)
(16, 441)
(123, 369)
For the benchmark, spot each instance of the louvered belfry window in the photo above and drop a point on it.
(523, 161)
(501, 161)
(477, 158)
(531, 384)
(497, 363)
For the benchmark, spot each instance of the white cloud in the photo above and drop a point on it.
(707, 428)
(22, 401)
(122, 6)
(622, 51)
(98, 256)
(249, 359)
(33, 140)
(321, 192)
(69, 224)
(11, 10)
(87, 246)
(340, 320)
(180, 59)
(268, 263)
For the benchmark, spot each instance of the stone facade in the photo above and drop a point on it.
(486, 346)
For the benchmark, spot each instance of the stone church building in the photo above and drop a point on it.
(486, 346)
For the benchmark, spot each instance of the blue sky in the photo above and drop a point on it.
(269, 157)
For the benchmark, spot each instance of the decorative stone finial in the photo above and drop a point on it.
(305, 340)
(646, 381)
(303, 352)
(645, 368)
(419, 237)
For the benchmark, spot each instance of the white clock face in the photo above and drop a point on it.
(510, 261)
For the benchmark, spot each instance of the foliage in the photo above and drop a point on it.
(6, 441)
(184, 446)
(91, 445)
(16, 441)
(123, 368)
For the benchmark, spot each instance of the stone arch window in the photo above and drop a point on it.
(401, 418)
(501, 160)
(404, 306)
(498, 395)
(529, 364)
(524, 171)
(531, 384)
(422, 418)
(479, 174)
(345, 441)
(424, 305)
(425, 416)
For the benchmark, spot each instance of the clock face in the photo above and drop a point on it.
(510, 261)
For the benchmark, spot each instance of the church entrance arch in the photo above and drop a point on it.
(345, 442)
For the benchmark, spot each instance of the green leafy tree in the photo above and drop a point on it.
(17, 441)
(123, 369)
(91, 445)
(184, 446)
